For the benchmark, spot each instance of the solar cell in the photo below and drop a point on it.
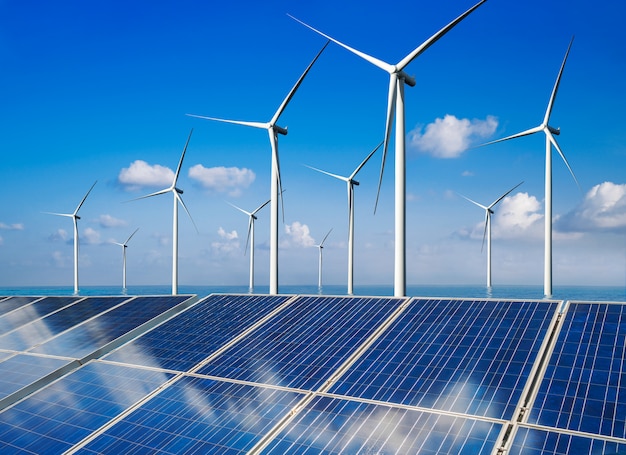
(97, 332)
(463, 356)
(11, 303)
(338, 426)
(63, 413)
(197, 415)
(530, 441)
(303, 344)
(188, 339)
(18, 371)
(584, 385)
(28, 313)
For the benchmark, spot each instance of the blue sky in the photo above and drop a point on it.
(99, 91)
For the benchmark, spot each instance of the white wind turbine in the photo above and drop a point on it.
(487, 232)
(74, 216)
(350, 183)
(176, 192)
(273, 130)
(397, 79)
(320, 247)
(124, 245)
(550, 132)
(250, 238)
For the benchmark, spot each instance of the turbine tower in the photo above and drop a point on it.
(176, 192)
(550, 132)
(74, 216)
(276, 186)
(124, 245)
(487, 232)
(397, 79)
(250, 238)
(350, 183)
(320, 247)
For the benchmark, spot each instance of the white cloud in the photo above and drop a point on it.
(227, 247)
(449, 137)
(140, 173)
(299, 235)
(60, 234)
(227, 235)
(603, 209)
(222, 179)
(517, 215)
(12, 227)
(107, 221)
(91, 236)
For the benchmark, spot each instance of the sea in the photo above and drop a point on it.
(579, 293)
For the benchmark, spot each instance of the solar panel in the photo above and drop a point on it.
(12, 303)
(27, 313)
(183, 342)
(584, 386)
(530, 441)
(197, 415)
(303, 344)
(462, 356)
(338, 426)
(63, 413)
(19, 371)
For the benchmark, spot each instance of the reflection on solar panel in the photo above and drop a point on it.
(311, 374)
(27, 313)
(11, 303)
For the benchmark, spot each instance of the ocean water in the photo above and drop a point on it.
(590, 293)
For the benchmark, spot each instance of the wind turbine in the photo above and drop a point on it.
(74, 216)
(350, 183)
(276, 186)
(550, 132)
(397, 79)
(124, 246)
(250, 238)
(176, 192)
(487, 232)
(320, 247)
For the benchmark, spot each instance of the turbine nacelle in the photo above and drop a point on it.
(354, 182)
(555, 131)
(279, 129)
(178, 190)
(408, 80)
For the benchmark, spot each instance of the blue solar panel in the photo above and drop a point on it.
(12, 303)
(36, 310)
(584, 386)
(92, 335)
(42, 330)
(302, 345)
(197, 415)
(337, 426)
(62, 414)
(18, 371)
(186, 340)
(543, 442)
(456, 355)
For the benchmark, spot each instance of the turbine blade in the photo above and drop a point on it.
(262, 205)
(473, 202)
(556, 146)
(514, 136)
(182, 157)
(356, 171)
(503, 196)
(433, 39)
(235, 122)
(556, 85)
(130, 237)
(379, 63)
(180, 199)
(487, 215)
(345, 179)
(156, 193)
(295, 87)
(250, 226)
(325, 237)
(391, 105)
(83, 201)
(274, 142)
(240, 209)
(71, 215)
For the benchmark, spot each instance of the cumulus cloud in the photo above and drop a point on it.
(107, 221)
(299, 235)
(12, 227)
(230, 243)
(222, 179)
(140, 173)
(91, 236)
(58, 235)
(602, 209)
(227, 235)
(517, 215)
(449, 137)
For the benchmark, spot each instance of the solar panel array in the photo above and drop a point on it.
(311, 374)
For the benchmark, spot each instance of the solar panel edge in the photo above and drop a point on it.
(42, 316)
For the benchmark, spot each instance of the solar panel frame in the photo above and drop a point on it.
(530, 440)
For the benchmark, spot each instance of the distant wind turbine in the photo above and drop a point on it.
(487, 232)
(397, 79)
(276, 186)
(250, 238)
(320, 247)
(124, 245)
(549, 131)
(350, 183)
(74, 216)
(176, 192)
